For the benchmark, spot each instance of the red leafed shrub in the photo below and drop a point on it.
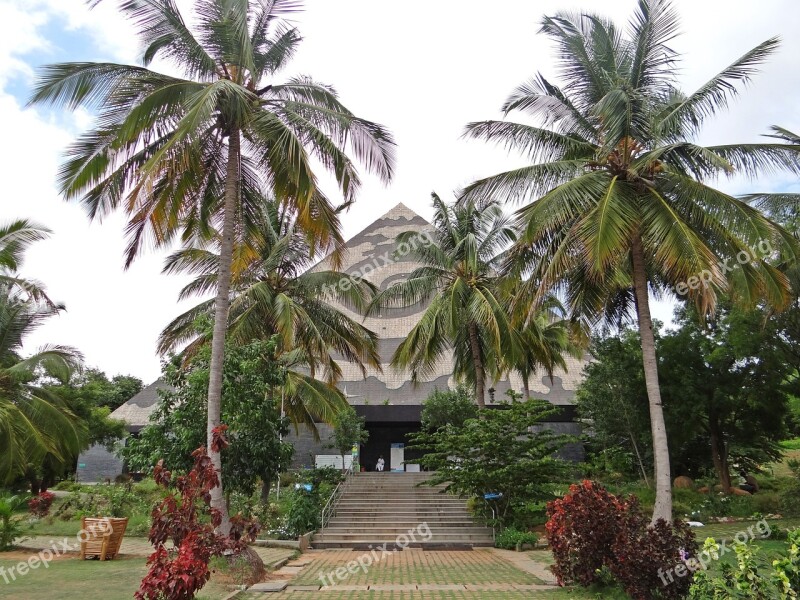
(40, 504)
(644, 554)
(590, 528)
(185, 516)
(581, 529)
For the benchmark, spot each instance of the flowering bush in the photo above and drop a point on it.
(39, 505)
(581, 530)
(592, 532)
(645, 557)
(178, 573)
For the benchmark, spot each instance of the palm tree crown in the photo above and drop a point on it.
(620, 195)
(275, 293)
(466, 314)
(33, 421)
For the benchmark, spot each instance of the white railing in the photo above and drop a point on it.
(329, 510)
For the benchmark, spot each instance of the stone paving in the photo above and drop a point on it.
(412, 573)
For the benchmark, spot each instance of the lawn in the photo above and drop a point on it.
(68, 577)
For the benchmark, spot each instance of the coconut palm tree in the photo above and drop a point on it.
(466, 315)
(274, 292)
(782, 207)
(618, 194)
(34, 422)
(15, 238)
(545, 337)
(180, 155)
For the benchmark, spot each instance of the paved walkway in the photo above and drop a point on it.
(337, 573)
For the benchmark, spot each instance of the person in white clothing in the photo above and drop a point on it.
(379, 466)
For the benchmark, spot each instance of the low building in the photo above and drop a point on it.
(98, 464)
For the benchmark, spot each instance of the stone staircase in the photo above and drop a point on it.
(378, 508)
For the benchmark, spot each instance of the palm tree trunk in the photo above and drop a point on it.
(663, 505)
(478, 361)
(526, 388)
(221, 306)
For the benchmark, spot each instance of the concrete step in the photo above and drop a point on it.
(377, 508)
(378, 537)
(386, 531)
(373, 544)
(401, 492)
(375, 522)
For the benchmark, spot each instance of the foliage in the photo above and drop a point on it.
(9, 526)
(459, 282)
(752, 577)
(36, 426)
(275, 293)
(92, 396)
(612, 399)
(250, 408)
(505, 450)
(178, 573)
(512, 538)
(348, 431)
(443, 407)
(592, 531)
(726, 385)
(304, 512)
(618, 199)
(790, 496)
(39, 505)
(643, 552)
(581, 530)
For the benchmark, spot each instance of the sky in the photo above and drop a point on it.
(424, 69)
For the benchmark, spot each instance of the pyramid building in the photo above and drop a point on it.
(390, 403)
(388, 400)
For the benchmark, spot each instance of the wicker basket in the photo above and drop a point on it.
(101, 537)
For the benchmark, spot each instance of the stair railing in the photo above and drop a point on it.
(329, 510)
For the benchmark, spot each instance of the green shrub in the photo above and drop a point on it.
(793, 444)
(511, 538)
(67, 486)
(9, 525)
(752, 576)
(790, 496)
(304, 512)
(767, 503)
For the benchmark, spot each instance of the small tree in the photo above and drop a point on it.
(348, 430)
(445, 407)
(185, 517)
(498, 451)
(250, 407)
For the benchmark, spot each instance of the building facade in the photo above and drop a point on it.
(387, 399)
(390, 403)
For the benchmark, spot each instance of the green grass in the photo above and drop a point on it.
(71, 577)
(793, 444)
(727, 531)
(54, 527)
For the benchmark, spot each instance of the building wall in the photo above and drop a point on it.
(100, 465)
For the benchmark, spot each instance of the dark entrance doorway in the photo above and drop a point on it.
(388, 425)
